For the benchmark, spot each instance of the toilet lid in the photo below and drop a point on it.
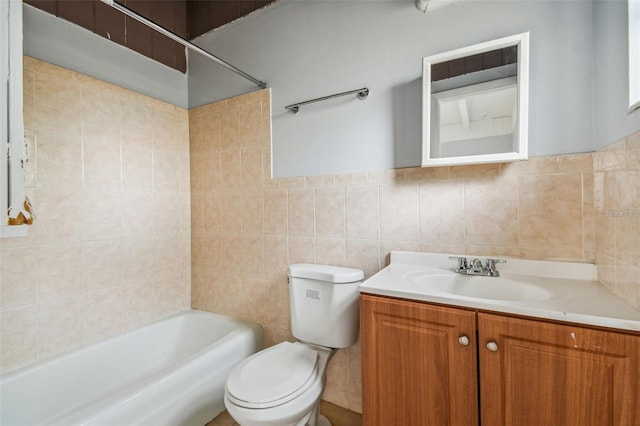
(273, 376)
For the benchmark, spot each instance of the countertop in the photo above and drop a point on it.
(574, 294)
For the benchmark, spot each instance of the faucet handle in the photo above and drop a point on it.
(476, 266)
(462, 263)
(491, 266)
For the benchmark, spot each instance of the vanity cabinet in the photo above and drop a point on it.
(545, 373)
(422, 364)
(419, 364)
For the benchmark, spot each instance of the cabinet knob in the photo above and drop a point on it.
(492, 346)
(463, 340)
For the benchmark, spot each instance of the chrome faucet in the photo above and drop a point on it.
(476, 267)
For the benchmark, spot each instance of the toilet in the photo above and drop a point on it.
(282, 385)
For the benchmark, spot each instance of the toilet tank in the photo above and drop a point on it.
(324, 304)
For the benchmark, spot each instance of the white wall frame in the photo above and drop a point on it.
(12, 189)
(634, 54)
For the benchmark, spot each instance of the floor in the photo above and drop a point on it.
(337, 415)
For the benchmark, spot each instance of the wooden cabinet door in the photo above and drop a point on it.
(414, 369)
(548, 374)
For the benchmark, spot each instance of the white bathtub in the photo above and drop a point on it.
(171, 372)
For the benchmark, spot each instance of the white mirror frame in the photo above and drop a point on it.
(520, 40)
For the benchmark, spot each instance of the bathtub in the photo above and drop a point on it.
(171, 372)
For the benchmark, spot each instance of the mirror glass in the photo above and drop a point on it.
(475, 103)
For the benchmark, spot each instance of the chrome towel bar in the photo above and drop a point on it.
(362, 94)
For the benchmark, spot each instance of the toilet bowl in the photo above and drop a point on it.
(282, 385)
(279, 386)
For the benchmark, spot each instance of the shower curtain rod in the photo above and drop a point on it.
(185, 43)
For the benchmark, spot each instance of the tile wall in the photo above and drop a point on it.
(617, 210)
(247, 228)
(108, 175)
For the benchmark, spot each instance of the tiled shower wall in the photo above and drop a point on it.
(108, 174)
(247, 228)
(617, 209)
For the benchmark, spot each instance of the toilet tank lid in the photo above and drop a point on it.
(332, 274)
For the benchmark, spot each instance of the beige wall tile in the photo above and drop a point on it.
(478, 171)
(611, 157)
(300, 212)
(97, 151)
(251, 169)
(399, 212)
(101, 156)
(252, 213)
(532, 166)
(60, 272)
(576, 163)
(60, 327)
(491, 215)
(231, 205)
(276, 304)
(387, 246)
(275, 211)
(627, 230)
(252, 264)
(137, 213)
(28, 99)
(551, 211)
(99, 309)
(365, 255)
(137, 296)
(52, 92)
(363, 211)
(100, 101)
(337, 379)
(627, 282)
(330, 212)
(55, 149)
(276, 258)
(231, 170)
(18, 337)
(229, 128)
(18, 278)
(422, 174)
(454, 248)
(442, 212)
(617, 217)
(331, 251)
(302, 250)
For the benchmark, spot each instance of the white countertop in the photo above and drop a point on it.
(571, 292)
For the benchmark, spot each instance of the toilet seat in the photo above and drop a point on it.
(273, 376)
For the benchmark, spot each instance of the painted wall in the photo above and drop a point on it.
(68, 45)
(578, 55)
(109, 250)
(612, 120)
(247, 228)
(308, 49)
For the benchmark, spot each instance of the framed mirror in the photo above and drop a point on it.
(475, 103)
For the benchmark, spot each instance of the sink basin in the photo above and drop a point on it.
(479, 287)
(553, 290)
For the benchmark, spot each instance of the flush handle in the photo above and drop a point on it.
(492, 346)
(464, 340)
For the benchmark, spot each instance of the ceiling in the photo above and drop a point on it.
(186, 18)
